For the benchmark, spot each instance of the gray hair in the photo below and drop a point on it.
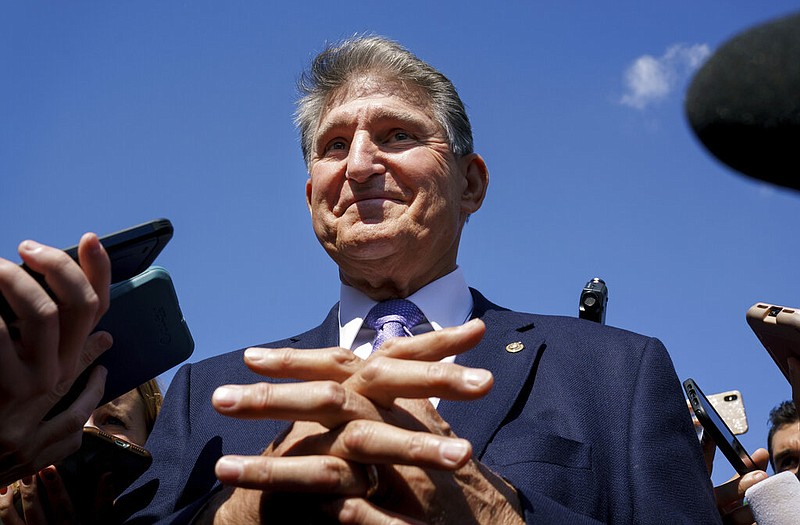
(334, 67)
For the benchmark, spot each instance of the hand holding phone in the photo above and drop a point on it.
(131, 252)
(47, 351)
(44, 353)
(85, 484)
(713, 424)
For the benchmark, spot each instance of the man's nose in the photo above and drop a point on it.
(364, 158)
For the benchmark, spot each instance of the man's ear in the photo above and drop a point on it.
(477, 180)
(308, 194)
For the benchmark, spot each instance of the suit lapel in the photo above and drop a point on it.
(323, 336)
(508, 349)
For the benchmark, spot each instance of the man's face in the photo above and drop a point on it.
(384, 186)
(786, 448)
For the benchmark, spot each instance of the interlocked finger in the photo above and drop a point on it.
(336, 364)
(326, 402)
(384, 379)
(309, 474)
(375, 442)
(359, 511)
(435, 346)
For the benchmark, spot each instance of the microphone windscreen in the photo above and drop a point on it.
(744, 103)
(776, 500)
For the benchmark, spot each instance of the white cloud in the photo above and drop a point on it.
(649, 79)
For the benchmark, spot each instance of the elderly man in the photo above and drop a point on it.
(541, 420)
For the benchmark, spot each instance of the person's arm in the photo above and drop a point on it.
(667, 470)
(45, 349)
(378, 415)
(730, 495)
(160, 495)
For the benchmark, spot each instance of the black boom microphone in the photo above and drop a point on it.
(744, 103)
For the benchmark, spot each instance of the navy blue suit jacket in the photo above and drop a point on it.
(588, 422)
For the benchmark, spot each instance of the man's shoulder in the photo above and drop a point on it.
(317, 337)
(554, 325)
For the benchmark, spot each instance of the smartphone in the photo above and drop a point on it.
(131, 251)
(778, 329)
(730, 406)
(83, 471)
(713, 424)
(149, 331)
(102, 452)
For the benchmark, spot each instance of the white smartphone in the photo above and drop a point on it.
(730, 407)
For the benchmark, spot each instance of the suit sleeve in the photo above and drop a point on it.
(668, 474)
(163, 494)
(606, 437)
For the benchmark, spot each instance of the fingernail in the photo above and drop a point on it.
(94, 243)
(254, 355)
(759, 475)
(229, 468)
(226, 396)
(27, 480)
(454, 451)
(105, 340)
(49, 474)
(3, 490)
(30, 246)
(477, 377)
(470, 323)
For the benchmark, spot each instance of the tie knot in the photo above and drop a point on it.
(393, 318)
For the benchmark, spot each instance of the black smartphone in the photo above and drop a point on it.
(102, 458)
(149, 331)
(131, 251)
(100, 453)
(713, 424)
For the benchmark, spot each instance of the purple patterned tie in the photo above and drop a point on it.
(393, 318)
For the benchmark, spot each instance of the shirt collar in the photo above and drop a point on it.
(445, 302)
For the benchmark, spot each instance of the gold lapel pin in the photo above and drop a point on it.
(514, 347)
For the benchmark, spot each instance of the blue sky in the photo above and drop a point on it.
(115, 113)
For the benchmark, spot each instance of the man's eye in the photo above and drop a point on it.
(787, 464)
(336, 145)
(400, 136)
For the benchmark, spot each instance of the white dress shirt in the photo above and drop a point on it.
(445, 302)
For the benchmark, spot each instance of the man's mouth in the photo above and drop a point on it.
(367, 199)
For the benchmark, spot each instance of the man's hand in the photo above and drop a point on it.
(352, 414)
(45, 349)
(730, 494)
